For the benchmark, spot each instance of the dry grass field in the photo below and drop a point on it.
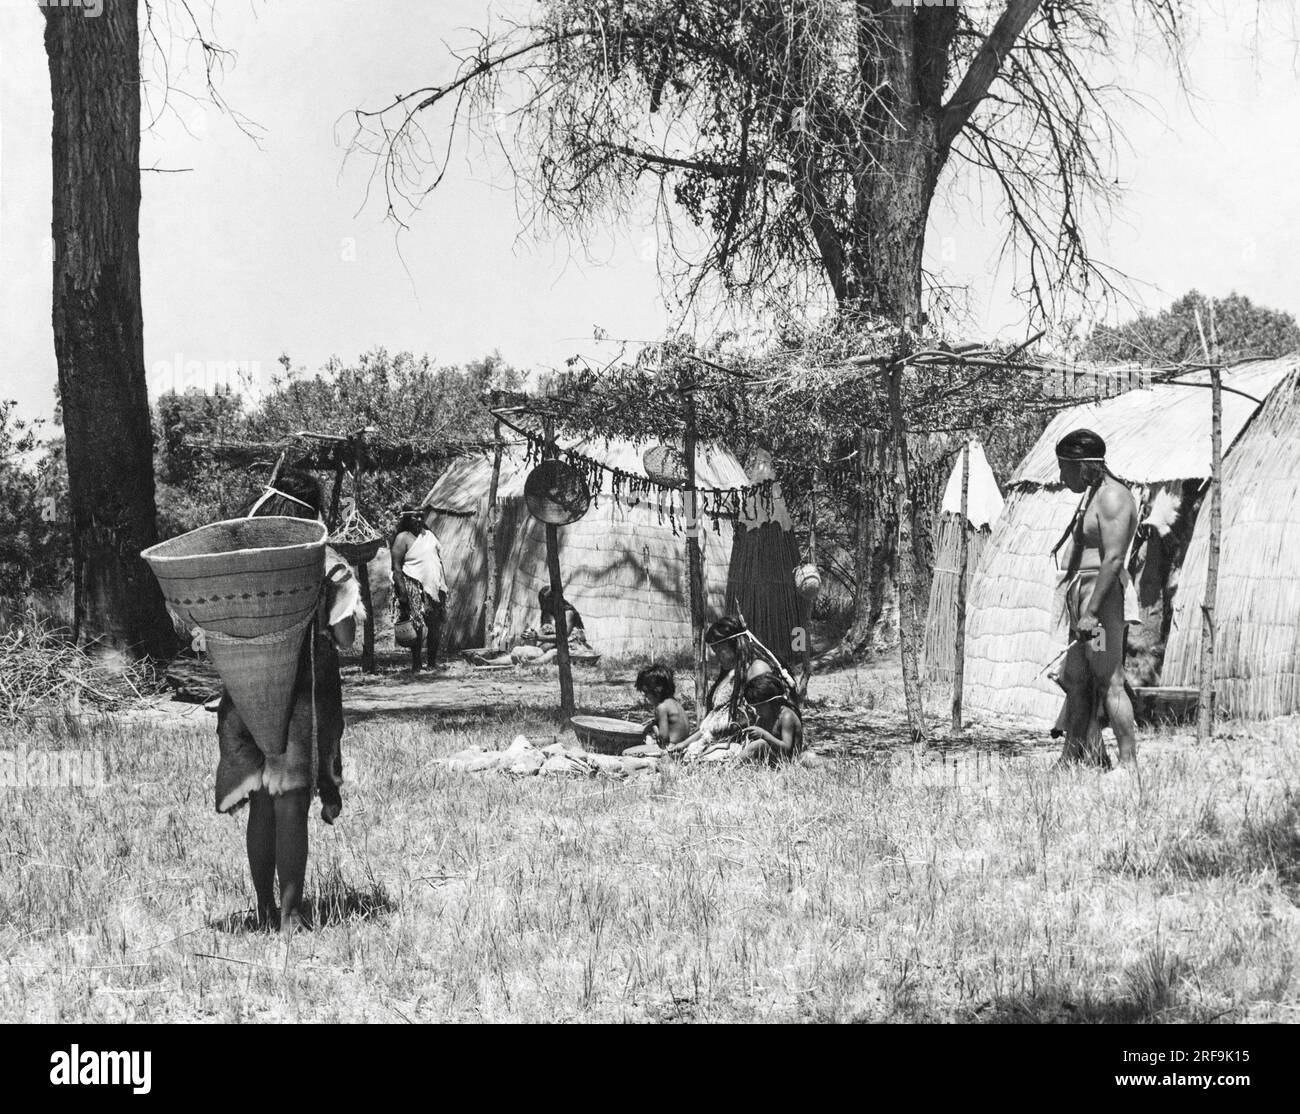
(973, 885)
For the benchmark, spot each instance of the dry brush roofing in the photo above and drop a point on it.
(1161, 434)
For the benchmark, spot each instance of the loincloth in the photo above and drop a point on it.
(1078, 592)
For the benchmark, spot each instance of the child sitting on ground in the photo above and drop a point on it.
(655, 683)
(776, 735)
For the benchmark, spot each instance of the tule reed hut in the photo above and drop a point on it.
(623, 564)
(1158, 441)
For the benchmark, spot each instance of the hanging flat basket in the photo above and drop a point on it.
(357, 541)
(665, 464)
(357, 553)
(556, 493)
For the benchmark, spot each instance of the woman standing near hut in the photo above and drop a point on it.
(278, 788)
(419, 583)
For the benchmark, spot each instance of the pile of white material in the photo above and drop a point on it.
(522, 759)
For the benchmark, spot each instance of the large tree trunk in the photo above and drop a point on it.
(893, 188)
(98, 328)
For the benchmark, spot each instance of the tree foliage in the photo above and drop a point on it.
(398, 399)
(802, 140)
(35, 539)
(1170, 336)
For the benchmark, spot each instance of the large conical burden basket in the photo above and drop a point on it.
(251, 585)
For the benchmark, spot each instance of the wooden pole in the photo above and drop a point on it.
(567, 706)
(494, 515)
(694, 559)
(959, 650)
(806, 605)
(907, 624)
(333, 521)
(863, 604)
(368, 627)
(1205, 702)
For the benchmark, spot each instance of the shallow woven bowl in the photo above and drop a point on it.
(246, 577)
(357, 553)
(605, 735)
(556, 493)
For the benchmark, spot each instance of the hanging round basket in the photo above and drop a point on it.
(807, 581)
(665, 464)
(556, 493)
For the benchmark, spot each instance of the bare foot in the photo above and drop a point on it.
(295, 921)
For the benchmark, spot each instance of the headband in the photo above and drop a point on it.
(1081, 459)
(728, 638)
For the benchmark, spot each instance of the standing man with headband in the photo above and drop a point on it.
(1099, 599)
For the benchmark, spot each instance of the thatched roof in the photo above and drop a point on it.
(1161, 434)
(1016, 620)
(623, 566)
(1257, 610)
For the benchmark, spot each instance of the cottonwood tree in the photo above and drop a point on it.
(94, 66)
(802, 141)
(96, 82)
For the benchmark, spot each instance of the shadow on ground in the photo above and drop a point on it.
(334, 903)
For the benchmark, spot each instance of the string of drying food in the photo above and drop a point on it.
(713, 503)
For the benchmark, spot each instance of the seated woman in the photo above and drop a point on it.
(741, 657)
(572, 620)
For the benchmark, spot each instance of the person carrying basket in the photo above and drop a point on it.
(279, 788)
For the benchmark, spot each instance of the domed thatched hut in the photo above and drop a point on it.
(1159, 443)
(623, 564)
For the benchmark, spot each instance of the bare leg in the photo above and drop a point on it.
(1119, 708)
(1078, 711)
(291, 854)
(260, 841)
(1108, 673)
(433, 624)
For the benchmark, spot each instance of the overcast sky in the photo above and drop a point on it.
(257, 251)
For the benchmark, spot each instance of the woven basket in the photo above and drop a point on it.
(357, 541)
(357, 553)
(807, 581)
(259, 673)
(251, 585)
(665, 464)
(556, 493)
(605, 735)
(246, 577)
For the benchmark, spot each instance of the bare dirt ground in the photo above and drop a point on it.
(850, 712)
